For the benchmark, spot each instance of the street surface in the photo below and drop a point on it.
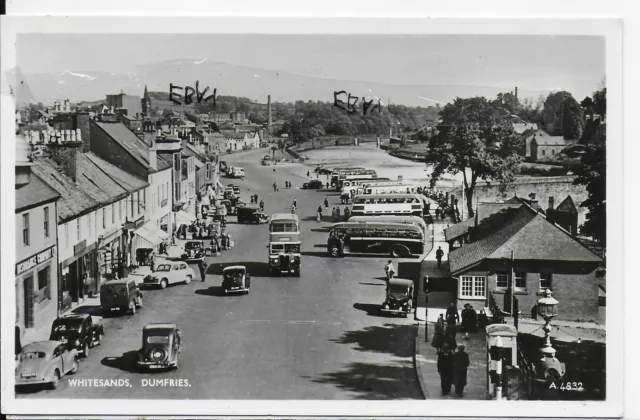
(319, 336)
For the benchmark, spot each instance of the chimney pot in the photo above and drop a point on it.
(551, 203)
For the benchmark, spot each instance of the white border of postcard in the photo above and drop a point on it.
(611, 29)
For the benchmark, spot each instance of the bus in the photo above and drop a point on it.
(337, 172)
(392, 188)
(412, 220)
(389, 204)
(395, 239)
(367, 173)
(284, 243)
(357, 184)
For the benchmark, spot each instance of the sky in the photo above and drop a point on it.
(572, 63)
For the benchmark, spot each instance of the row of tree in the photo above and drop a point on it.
(476, 137)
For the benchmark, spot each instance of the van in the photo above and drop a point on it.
(238, 173)
(120, 296)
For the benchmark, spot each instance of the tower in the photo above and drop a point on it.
(146, 102)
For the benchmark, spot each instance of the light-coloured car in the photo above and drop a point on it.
(170, 272)
(45, 362)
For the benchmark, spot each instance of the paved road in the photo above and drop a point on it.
(319, 336)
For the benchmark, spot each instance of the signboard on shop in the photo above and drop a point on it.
(35, 260)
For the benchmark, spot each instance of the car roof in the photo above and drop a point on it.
(401, 282)
(159, 326)
(46, 346)
(234, 267)
(72, 316)
(117, 282)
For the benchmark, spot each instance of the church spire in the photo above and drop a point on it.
(146, 102)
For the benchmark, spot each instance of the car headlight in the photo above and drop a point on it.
(76, 343)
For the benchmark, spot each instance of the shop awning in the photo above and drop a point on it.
(151, 234)
(205, 201)
(210, 191)
(219, 184)
(184, 218)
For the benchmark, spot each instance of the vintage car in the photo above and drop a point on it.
(160, 346)
(170, 272)
(312, 185)
(236, 190)
(194, 251)
(77, 331)
(45, 362)
(251, 214)
(399, 297)
(120, 295)
(235, 279)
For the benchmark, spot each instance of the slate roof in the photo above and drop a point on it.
(567, 205)
(36, 192)
(459, 229)
(530, 236)
(132, 143)
(130, 182)
(543, 139)
(483, 211)
(97, 183)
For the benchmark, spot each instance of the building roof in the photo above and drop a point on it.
(567, 205)
(95, 182)
(132, 143)
(36, 192)
(483, 211)
(459, 229)
(543, 139)
(125, 179)
(73, 201)
(530, 236)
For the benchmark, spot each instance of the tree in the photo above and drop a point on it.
(474, 138)
(600, 102)
(562, 116)
(281, 146)
(273, 150)
(316, 131)
(591, 171)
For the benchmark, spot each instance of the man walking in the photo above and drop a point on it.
(347, 214)
(275, 186)
(445, 368)
(326, 203)
(460, 365)
(307, 174)
(261, 205)
(337, 214)
(295, 202)
(439, 255)
(333, 214)
(202, 268)
(319, 214)
(389, 270)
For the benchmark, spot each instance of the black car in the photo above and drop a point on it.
(312, 185)
(77, 331)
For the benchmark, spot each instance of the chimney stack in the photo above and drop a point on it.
(533, 201)
(65, 154)
(153, 156)
(551, 203)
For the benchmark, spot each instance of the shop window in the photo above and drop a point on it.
(46, 222)
(25, 229)
(521, 280)
(78, 228)
(44, 284)
(545, 281)
(502, 280)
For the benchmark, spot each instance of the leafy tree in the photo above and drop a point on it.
(476, 139)
(562, 116)
(273, 150)
(591, 171)
(600, 102)
(316, 131)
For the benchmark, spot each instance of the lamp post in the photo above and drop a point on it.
(547, 307)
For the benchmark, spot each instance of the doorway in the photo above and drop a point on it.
(28, 302)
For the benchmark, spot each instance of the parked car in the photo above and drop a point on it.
(251, 214)
(45, 362)
(169, 273)
(77, 331)
(312, 185)
(236, 189)
(120, 295)
(160, 346)
(236, 279)
(194, 251)
(399, 297)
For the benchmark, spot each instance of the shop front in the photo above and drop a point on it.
(36, 290)
(146, 239)
(111, 255)
(78, 276)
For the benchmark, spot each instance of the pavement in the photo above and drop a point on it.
(319, 336)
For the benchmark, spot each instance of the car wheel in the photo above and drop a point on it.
(335, 251)
(163, 283)
(187, 280)
(132, 308)
(55, 380)
(74, 367)
(85, 349)
(398, 251)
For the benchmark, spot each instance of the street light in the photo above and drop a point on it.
(547, 307)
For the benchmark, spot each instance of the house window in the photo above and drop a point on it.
(25, 229)
(89, 224)
(545, 281)
(120, 210)
(472, 287)
(502, 280)
(521, 280)
(543, 152)
(138, 198)
(113, 213)
(78, 228)
(104, 218)
(553, 151)
(44, 284)
(46, 222)
(131, 206)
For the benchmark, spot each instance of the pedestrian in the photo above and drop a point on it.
(319, 214)
(347, 214)
(275, 186)
(438, 334)
(261, 205)
(202, 268)
(153, 261)
(443, 215)
(295, 202)
(327, 184)
(445, 369)
(437, 213)
(460, 365)
(326, 203)
(469, 320)
(293, 209)
(256, 200)
(307, 174)
(439, 255)
(333, 214)
(18, 343)
(338, 214)
(389, 270)
(451, 316)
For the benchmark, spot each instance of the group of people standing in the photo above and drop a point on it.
(335, 214)
(452, 367)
